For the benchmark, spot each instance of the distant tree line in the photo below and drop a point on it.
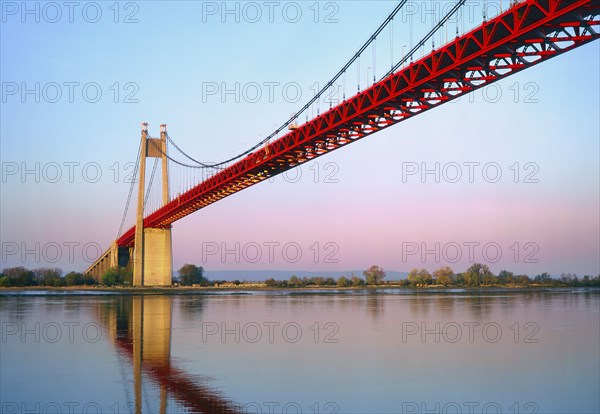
(373, 276)
(475, 276)
(480, 275)
(20, 276)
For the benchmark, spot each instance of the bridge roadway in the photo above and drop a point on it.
(507, 44)
(527, 34)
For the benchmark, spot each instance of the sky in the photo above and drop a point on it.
(507, 176)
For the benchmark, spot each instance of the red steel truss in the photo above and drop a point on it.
(528, 33)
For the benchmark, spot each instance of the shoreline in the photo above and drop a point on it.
(178, 290)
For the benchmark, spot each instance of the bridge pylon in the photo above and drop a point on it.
(153, 251)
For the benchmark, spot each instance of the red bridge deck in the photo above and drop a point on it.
(523, 36)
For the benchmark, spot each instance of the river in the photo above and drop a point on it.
(326, 351)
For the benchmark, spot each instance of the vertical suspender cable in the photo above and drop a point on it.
(358, 73)
(392, 43)
(134, 175)
(374, 59)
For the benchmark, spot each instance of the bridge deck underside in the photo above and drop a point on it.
(525, 35)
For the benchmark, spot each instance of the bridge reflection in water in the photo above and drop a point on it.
(140, 328)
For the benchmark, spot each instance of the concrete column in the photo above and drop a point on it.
(165, 164)
(114, 255)
(138, 255)
(168, 246)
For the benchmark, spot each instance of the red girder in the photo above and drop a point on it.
(523, 36)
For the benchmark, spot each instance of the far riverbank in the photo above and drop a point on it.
(261, 287)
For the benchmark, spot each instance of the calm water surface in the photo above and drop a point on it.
(270, 352)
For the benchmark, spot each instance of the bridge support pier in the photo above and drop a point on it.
(157, 259)
(153, 253)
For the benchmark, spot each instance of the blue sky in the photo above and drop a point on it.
(364, 207)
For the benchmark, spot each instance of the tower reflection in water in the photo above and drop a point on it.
(140, 328)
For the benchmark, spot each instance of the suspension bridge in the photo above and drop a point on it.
(527, 33)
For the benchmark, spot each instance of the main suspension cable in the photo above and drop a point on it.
(457, 6)
(315, 97)
(186, 155)
(342, 71)
(135, 171)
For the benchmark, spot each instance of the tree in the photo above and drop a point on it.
(476, 274)
(403, 282)
(566, 279)
(74, 279)
(505, 277)
(317, 280)
(271, 282)
(19, 276)
(575, 280)
(113, 276)
(425, 277)
(488, 278)
(543, 278)
(190, 274)
(443, 276)
(343, 281)
(357, 281)
(374, 275)
(89, 279)
(420, 277)
(295, 281)
(413, 277)
(48, 277)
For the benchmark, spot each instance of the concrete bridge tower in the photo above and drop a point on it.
(153, 253)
